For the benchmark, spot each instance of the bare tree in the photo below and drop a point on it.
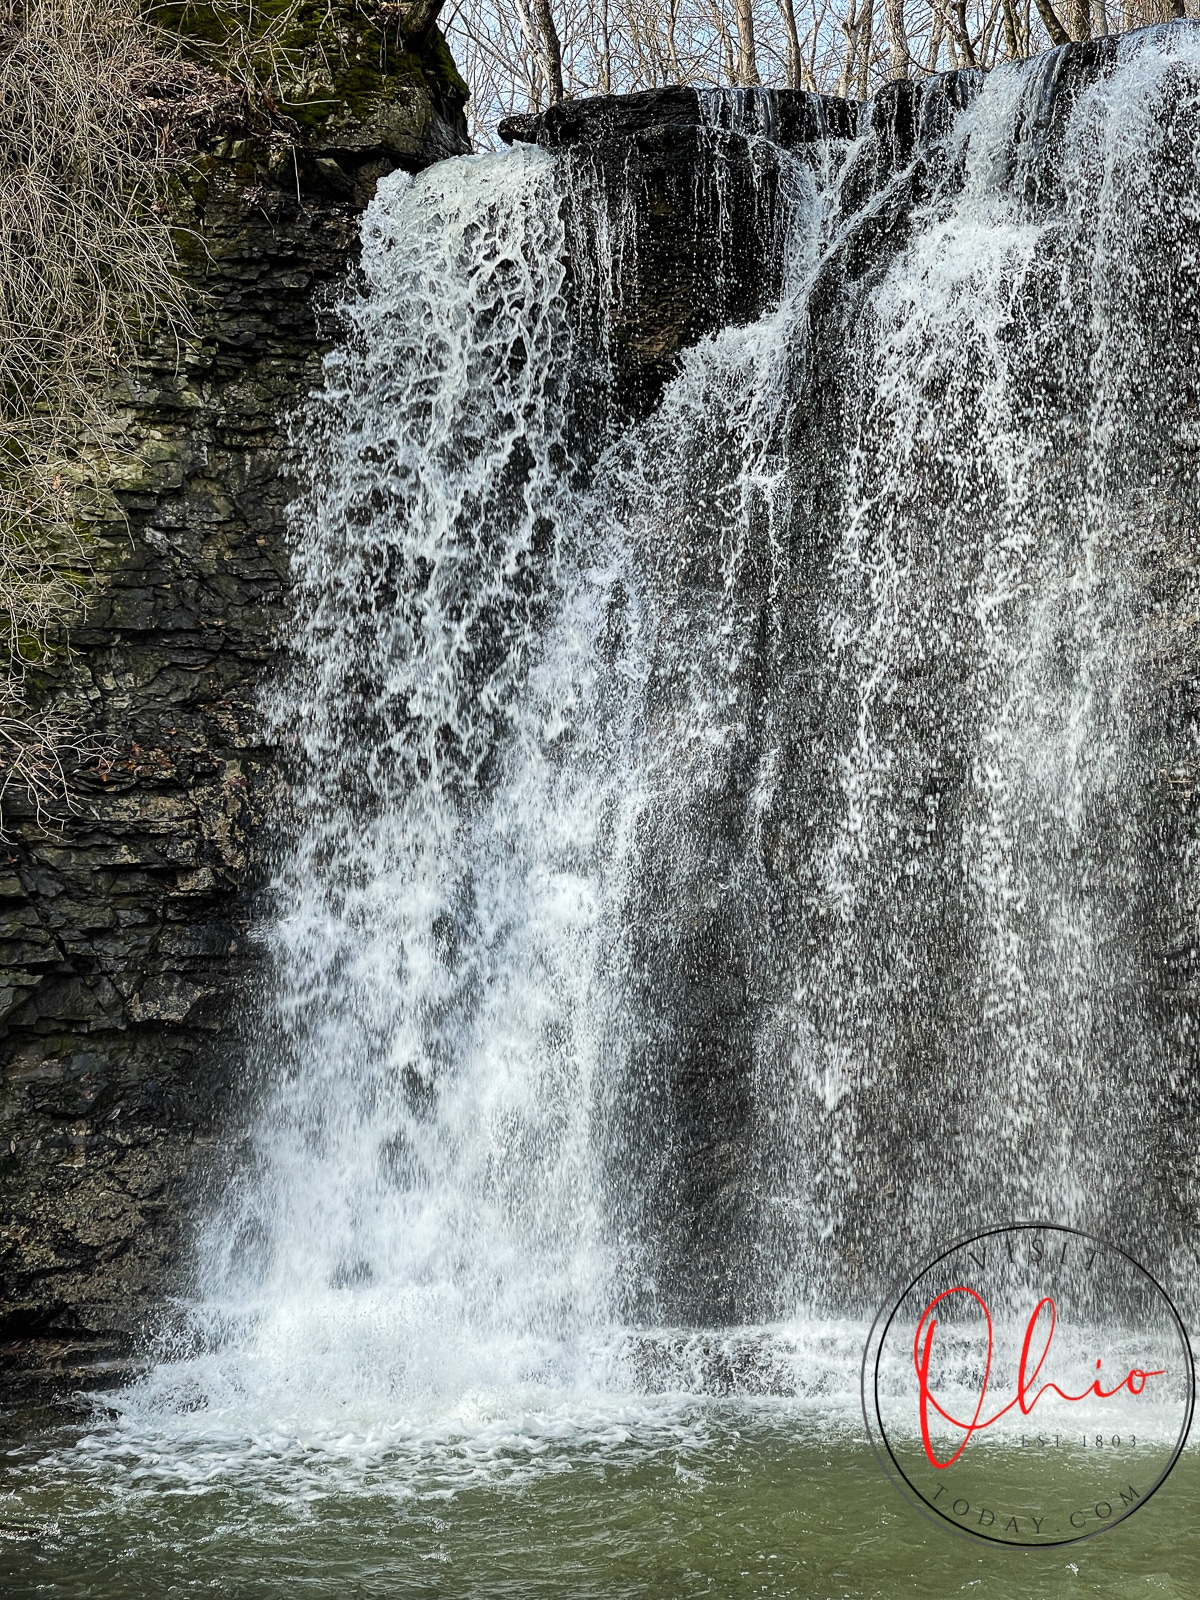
(532, 53)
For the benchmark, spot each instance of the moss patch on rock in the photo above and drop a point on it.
(333, 68)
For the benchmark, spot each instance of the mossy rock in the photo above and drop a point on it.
(345, 72)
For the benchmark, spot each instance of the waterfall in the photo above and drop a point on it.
(424, 1197)
(735, 845)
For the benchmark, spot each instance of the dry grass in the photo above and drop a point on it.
(258, 50)
(97, 108)
(85, 254)
(86, 266)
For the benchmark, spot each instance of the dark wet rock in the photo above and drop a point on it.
(788, 117)
(697, 186)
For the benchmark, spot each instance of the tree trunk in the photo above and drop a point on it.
(865, 41)
(937, 33)
(964, 34)
(551, 50)
(672, 48)
(850, 30)
(1012, 36)
(747, 59)
(605, 49)
(418, 17)
(795, 66)
(725, 40)
(897, 39)
(1058, 34)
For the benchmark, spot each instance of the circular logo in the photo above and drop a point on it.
(1030, 1385)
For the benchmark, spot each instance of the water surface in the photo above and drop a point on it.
(686, 1498)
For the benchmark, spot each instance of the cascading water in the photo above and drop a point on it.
(423, 1202)
(995, 866)
(733, 848)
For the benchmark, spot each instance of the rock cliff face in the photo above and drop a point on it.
(125, 958)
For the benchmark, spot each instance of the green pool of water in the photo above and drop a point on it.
(726, 1502)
